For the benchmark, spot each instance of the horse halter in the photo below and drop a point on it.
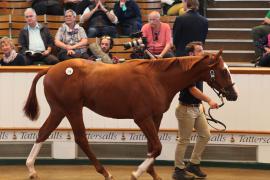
(223, 91)
(219, 93)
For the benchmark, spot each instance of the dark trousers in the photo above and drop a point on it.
(49, 60)
(62, 55)
(78, 7)
(101, 31)
(265, 61)
(42, 7)
(128, 28)
(169, 54)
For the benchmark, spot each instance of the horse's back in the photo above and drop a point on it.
(77, 79)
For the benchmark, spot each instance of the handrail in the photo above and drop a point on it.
(136, 130)
(233, 70)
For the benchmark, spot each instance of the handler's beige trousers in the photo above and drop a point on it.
(189, 118)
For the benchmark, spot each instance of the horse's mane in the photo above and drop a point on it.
(183, 63)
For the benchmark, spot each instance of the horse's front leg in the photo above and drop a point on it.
(149, 130)
(157, 120)
(76, 121)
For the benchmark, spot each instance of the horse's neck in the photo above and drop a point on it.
(174, 82)
(177, 79)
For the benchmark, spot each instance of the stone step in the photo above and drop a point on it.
(239, 4)
(234, 22)
(228, 33)
(235, 13)
(236, 56)
(241, 45)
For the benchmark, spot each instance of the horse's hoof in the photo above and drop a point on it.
(109, 178)
(33, 175)
(133, 177)
(157, 178)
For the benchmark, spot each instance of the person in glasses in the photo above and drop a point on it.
(36, 41)
(190, 114)
(99, 19)
(105, 45)
(159, 37)
(71, 38)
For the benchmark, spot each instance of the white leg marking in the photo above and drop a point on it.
(143, 167)
(31, 159)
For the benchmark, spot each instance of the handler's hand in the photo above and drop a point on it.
(213, 104)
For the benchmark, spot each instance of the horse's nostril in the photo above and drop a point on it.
(232, 97)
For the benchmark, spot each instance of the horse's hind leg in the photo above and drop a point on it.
(50, 124)
(76, 121)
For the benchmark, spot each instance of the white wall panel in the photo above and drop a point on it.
(249, 112)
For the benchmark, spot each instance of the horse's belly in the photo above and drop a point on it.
(112, 111)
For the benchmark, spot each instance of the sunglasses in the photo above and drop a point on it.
(155, 36)
(106, 37)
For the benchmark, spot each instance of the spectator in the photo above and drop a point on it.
(129, 16)
(100, 19)
(10, 56)
(189, 27)
(173, 7)
(158, 35)
(36, 38)
(264, 45)
(190, 114)
(76, 5)
(71, 39)
(52, 7)
(102, 50)
(259, 32)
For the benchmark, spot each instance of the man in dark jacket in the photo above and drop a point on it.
(36, 41)
(189, 27)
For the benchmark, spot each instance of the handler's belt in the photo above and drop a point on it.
(190, 105)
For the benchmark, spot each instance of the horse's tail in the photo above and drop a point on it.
(31, 107)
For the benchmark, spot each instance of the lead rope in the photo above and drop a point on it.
(209, 117)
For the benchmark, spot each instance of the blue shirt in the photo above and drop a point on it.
(35, 41)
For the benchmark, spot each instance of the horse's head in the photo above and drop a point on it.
(219, 78)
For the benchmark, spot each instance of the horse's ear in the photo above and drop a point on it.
(216, 59)
(219, 54)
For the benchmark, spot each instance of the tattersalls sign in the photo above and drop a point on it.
(135, 136)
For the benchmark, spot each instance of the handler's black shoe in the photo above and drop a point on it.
(195, 169)
(181, 174)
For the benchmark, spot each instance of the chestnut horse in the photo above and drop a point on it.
(140, 89)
